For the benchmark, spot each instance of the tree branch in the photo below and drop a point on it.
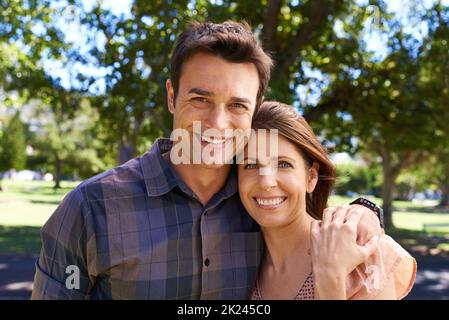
(306, 32)
(270, 24)
(339, 100)
(318, 111)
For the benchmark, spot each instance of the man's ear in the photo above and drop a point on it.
(312, 178)
(170, 96)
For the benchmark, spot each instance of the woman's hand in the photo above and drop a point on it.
(335, 252)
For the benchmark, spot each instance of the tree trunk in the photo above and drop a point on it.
(1, 181)
(445, 196)
(126, 152)
(387, 190)
(270, 24)
(57, 178)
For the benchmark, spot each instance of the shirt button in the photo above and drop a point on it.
(207, 262)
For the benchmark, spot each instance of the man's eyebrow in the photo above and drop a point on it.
(201, 92)
(240, 100)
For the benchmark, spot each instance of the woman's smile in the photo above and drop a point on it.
(270, 203)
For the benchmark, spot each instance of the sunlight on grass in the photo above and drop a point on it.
(30, 203)
(416, 220)
(443, 246)
(408, 215)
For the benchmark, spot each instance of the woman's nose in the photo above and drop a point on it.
(267, 179)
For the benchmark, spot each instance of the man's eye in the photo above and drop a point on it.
(200, 99)
(284, 164)
(251, 166)
(239, 105)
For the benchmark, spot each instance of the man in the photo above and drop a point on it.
(153, 229)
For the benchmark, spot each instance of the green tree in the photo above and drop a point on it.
(66, 144)
(134, 50)
(362, 179)
(439, 171)
(28, 35)
(317, 45)
(388, 115)
(434, 78)
(414, 179)
(12, 146)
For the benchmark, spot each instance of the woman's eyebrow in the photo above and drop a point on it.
(273, 158)
(284, 157)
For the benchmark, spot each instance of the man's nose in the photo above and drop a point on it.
(218, 118)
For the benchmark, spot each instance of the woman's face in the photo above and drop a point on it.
(276, 198)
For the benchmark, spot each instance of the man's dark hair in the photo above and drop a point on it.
(231, 40)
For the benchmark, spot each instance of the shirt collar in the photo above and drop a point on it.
(160, 177)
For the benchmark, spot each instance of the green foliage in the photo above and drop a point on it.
(359, 179)
(393, 108)
(28, 35)
(398, 106)
(69, 141)
(413, 180)
(13, 145)
(136, 52)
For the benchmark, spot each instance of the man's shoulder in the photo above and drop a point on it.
(121, 181)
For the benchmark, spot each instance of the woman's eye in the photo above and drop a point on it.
(250, 166)
(284, 164)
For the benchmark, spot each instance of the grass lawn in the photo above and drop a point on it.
(30, 203)
(25, 206)
(410, 216)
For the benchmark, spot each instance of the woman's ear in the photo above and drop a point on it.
(312, 178)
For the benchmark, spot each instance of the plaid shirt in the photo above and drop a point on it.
(139, 232)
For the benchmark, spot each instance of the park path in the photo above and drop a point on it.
(16, 275)
(17, 272)
(432, 279)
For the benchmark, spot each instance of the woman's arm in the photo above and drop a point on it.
(328, 286)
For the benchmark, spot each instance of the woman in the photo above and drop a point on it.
(311, 252)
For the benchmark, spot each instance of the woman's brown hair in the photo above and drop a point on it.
(292, 126)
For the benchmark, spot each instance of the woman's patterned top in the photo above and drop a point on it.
(306, 292)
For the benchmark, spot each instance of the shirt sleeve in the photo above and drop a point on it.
(389, 261)
(62, 267)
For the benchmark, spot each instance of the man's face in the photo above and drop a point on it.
(218, 95)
